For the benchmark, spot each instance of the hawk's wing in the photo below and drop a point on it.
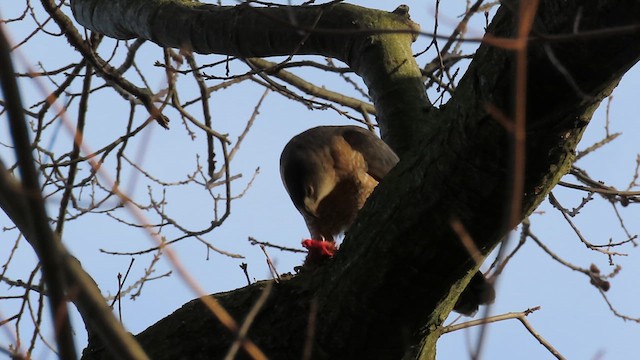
(377, 154)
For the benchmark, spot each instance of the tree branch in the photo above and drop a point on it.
(43, 240)
(375, 44)
(311, 89)
(64, 276)
(401, 267)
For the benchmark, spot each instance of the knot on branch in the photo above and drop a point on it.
(402, 10)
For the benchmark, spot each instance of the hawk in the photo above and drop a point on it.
(329, 172)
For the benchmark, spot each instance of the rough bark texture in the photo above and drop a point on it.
(401, 267)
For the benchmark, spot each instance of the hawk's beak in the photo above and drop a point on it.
(311, 206)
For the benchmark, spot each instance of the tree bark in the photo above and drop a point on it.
(401, 267)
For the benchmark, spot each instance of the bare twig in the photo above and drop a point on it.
(577, 231)
(245, 270)
(244, 329)
(311, 330)
(43, 241)
(520, 316)
(309, 88)
(272, 268)
(254, 241)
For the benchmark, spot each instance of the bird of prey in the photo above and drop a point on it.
(329, 172)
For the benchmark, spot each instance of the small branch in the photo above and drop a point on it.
(272, 268)
(489, 320)
(309, 88)
(311, 330)
(244, 267)
(500, 264)
(244, 329)
(615, 312)
(106, 71)
(577, 231)
(43, 240)
(120, 284)
(254, 241)
(542, 340)
(596, 279)
(600, 190)
(520, 316)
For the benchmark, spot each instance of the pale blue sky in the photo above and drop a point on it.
(573, 317)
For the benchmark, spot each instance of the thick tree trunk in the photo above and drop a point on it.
(402, 267)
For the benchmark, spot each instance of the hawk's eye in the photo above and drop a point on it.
(309, 191)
